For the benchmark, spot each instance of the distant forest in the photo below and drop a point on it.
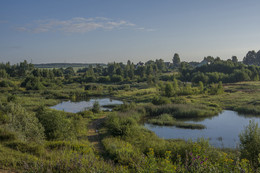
(65, 65)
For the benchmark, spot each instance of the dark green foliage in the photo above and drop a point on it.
(32, 83)
(11, 98)
(6, 83)
(96, 107)
(56, 125)
(103, 79)
(161, 101)
(69, 71)
(219, 70)
(250, 143)
(7, 135)
(16, 70)
(234, 59)
(252, 58)
(176, 60)
(116, 78)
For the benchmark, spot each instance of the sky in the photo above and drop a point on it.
(102, 31)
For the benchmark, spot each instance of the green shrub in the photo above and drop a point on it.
(121, 151)
(250, 143)
(161, 100)
(120, 125)
(26, 147)
(96, 107)
(6, 135)
(6, 83)
(86, 114)
(24, 124)
(56, 125)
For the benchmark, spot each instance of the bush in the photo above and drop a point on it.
(160, 100)
(7, 136)
(116, 78)
(120, 125)
(25, 147)
(6, 83)
(250, 143)
(121, 151)
(24, 124)
(96, 107)
(56, 125)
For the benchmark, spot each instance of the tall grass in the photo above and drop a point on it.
(168, 120)
(181, 110)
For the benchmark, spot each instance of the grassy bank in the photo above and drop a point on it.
(168, 120)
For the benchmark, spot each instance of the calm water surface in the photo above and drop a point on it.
(74, 107)
(222, 130)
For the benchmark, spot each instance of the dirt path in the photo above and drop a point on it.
(94, 135)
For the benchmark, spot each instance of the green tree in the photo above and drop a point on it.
(56, 125)
(96, 107)
(234, 59)
(175, 84)
(201, 87)
(176, 60)
(250, 58)
(168, 90)
(250, 143)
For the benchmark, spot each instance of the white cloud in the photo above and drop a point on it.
(76, 25)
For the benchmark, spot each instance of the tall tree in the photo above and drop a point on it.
(176, 60)
(250, 58)
(234, 59)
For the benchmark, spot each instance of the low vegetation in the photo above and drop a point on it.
(35, 138)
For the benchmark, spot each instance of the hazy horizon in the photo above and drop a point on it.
(87, 31)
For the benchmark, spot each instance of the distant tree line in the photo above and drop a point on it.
(210, 70)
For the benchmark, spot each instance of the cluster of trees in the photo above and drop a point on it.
(219, 70)
(252, 58)
(45, 124)
(16, 70)
(211, 70)
(118, 72)
(176, 88)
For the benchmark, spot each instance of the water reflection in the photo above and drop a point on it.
(222, 130)
(74, 107)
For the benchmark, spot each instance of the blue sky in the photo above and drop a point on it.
(89, 31)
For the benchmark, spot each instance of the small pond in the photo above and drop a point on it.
(74, 107)
(222, 130)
